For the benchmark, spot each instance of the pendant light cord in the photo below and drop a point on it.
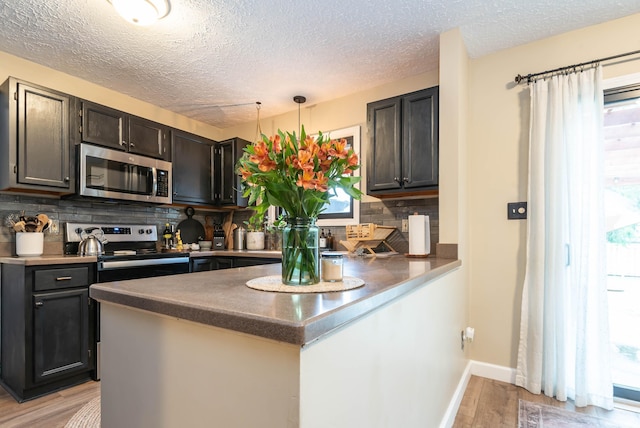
(258, 127)
(300, 100)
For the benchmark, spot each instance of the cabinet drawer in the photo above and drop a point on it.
(51, 279)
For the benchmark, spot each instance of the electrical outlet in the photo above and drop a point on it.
(405, 225)
(54, 229)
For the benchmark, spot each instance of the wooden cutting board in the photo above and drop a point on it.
(208, 228)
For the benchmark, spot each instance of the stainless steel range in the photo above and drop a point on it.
(130, 251)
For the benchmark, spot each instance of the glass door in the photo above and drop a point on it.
(622, 209)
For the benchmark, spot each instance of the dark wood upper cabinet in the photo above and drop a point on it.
(108, 127)
(193, 168)
(403, 149)
(35, 138)
(230, 186)
(384, 164)
(149, 138)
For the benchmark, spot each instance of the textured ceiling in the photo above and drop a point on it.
(208, 56)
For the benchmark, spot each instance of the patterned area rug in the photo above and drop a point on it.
(87, 417)
(536, 415)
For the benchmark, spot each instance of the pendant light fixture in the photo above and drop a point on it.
(142, 12)
(300, 100)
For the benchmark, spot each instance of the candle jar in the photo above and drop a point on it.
(332, 262)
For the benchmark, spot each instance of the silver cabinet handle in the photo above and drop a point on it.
(39, 304)
(64, 278)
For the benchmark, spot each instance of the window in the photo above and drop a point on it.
(342, 209)
(622, 209)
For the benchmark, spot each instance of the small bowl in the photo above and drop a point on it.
(205, 245)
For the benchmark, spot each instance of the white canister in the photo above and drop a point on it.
(29, 244)
(255, 240)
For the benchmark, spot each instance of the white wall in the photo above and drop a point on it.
(396, 367)
(159, 371)
(498, 155)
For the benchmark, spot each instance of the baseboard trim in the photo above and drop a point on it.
(452, 409)
(475, 368)
(493, 371)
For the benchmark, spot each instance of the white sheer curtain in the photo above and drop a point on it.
(564, 333)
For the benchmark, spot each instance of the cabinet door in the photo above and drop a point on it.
(230, 184)
(253, 261)
(203, 264)
(225, 263)
(420, 139)
(43, 137)
(193, 168)
(61, 333)
(384, 157)
(103, 126)
(148, 138)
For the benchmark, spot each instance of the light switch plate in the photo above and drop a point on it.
(516, 210)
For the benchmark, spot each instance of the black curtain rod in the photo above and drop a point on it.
(529, 77)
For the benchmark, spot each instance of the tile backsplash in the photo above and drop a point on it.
(387, 213)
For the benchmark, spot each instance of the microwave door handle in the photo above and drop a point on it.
(154, 175)
(128, 177)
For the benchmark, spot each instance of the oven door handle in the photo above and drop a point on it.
(119, 264)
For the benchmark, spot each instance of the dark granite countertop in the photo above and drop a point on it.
(221, 298)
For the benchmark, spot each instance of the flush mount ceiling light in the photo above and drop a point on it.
(142, 12)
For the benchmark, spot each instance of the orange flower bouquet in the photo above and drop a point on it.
(300, 176)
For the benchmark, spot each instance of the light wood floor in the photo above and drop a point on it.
(493, 404)
(51, 411)
(486, 403)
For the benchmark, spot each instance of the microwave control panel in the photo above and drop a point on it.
(163, 183)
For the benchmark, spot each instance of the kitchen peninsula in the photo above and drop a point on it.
(203, 349)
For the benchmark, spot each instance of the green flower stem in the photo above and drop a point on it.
(300, 252)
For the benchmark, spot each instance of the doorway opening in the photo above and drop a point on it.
(622, 210)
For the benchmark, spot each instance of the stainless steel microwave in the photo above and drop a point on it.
(112, 174)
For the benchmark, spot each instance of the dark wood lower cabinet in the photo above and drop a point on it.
(48, 327)
(203, 264)
(61, 333)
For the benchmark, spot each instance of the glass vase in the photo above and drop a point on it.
(300, 261)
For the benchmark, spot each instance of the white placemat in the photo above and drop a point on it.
(274, 283)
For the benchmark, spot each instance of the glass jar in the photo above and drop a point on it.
(332, 262)
(300, 264)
